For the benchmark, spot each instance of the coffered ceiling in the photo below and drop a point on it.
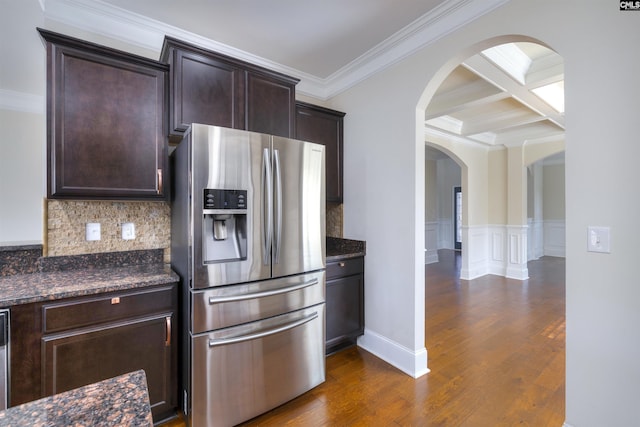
(490, 99)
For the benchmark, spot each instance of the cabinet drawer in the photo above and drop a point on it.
(346, 267)
(87, 311)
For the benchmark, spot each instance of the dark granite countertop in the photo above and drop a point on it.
(338, 248)
(46, 286)
(52, 278)
(119, 401)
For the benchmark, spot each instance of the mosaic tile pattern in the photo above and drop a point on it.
(66, 221)
(334, 220)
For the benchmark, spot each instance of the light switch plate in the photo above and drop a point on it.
(128, 231)
(599, 239)
(92, 231)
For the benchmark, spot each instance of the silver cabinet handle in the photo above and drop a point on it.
(267, 207)
(297, 286)
(273, 331)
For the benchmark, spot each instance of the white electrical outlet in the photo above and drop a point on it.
(128, 231)
(92, 231)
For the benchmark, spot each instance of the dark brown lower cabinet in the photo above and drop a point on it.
(344, 303)
(130, 331)
(74, 359)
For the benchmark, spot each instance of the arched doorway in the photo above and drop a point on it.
(496, 152)
(488, 111)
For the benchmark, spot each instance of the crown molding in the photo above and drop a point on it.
(443, 20)
(116, 23)
(21, 102)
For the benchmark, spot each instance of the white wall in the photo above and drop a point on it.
(22, 123)
(602, 101)
(21, 176)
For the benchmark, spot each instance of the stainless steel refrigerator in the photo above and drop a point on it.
(248, 241)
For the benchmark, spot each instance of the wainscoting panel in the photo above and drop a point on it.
(535, 239)
(554, 238)
(445, 233)
(498, 247)
(431, 242)
(475, 252)
(517, 266)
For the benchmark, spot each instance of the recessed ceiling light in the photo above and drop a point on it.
(552, 94)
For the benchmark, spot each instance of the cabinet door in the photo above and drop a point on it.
(204, 90)
(270, 105)
(80, 357)
(324, 126)
(106, 122)
(345, 312)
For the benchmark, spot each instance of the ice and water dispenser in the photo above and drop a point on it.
(225, 225)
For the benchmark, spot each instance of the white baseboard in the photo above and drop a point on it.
(431, 256)
(413, 363)
(517, 272)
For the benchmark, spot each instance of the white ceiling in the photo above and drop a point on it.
(332, 44)
(315, 37)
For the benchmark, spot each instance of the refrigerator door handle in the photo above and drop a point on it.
(267, 206)
(278, 196)
(273, 331)
(287, 289)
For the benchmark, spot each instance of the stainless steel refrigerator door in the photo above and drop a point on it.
(266, 364)
(299, 207)
(230, 159)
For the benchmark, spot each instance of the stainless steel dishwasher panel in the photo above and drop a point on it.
(266, 364)
(226, 306)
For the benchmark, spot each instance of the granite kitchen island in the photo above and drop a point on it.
(119, 401)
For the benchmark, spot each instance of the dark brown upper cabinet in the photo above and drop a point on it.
(106, 122)
(324, 126)
(214, 89)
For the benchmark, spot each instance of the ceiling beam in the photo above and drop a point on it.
(486, 70)
(472, 95)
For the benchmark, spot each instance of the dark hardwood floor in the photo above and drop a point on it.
(496, 353)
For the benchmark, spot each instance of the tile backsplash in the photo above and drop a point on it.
(334, 220)
(66, 220)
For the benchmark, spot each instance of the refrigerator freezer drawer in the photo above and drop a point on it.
(226, 306)
(267, 363)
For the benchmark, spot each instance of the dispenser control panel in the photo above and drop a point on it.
(225, 199)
